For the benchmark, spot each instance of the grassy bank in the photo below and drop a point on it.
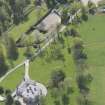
(93, 34)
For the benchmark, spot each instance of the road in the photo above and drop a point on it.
(26, 75)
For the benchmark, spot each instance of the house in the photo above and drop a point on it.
(52, 21)
(29, 92)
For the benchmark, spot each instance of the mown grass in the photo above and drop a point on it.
(93, 34)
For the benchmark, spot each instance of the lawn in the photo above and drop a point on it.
(40, 70)
(93, 34)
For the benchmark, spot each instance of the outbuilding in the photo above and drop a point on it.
(52, 21)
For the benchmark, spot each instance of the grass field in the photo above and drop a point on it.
(93, 34)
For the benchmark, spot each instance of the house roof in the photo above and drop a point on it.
(29, 90)
(51, 21)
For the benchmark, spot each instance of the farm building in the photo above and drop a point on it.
(50, 22)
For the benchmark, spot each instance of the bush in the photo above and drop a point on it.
(7, 91)
(84, 17)
(57, 77)
(1, 90)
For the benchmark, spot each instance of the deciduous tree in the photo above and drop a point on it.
(3, 65)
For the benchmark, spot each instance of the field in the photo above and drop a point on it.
(93, 34)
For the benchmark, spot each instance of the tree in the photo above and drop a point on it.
(79, 54)
(57, 102)
(1, 29)
(50, 3)
(17, 8)
(11, 11)
(3, 65)
(83, 100)
(56, 54)
(75, 6)
(11, 3)
(17, 103)
(77, 49)
(19, 11)
(1, 90)
(70, 1)
(38, 2)
(54, 92)
(84, 15)
(62, 91)
(57, 77)
(84, 81)
(12, 51)
(72, 32)
(28, 2)
(7, 92)
(28, 53)
(90, 4)
(92, 7)
(61, 39)
(65, 16)
(68, 86)
(4, 19)
(66, 90)
(65, 99)
(42, 101)
(9, 100)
